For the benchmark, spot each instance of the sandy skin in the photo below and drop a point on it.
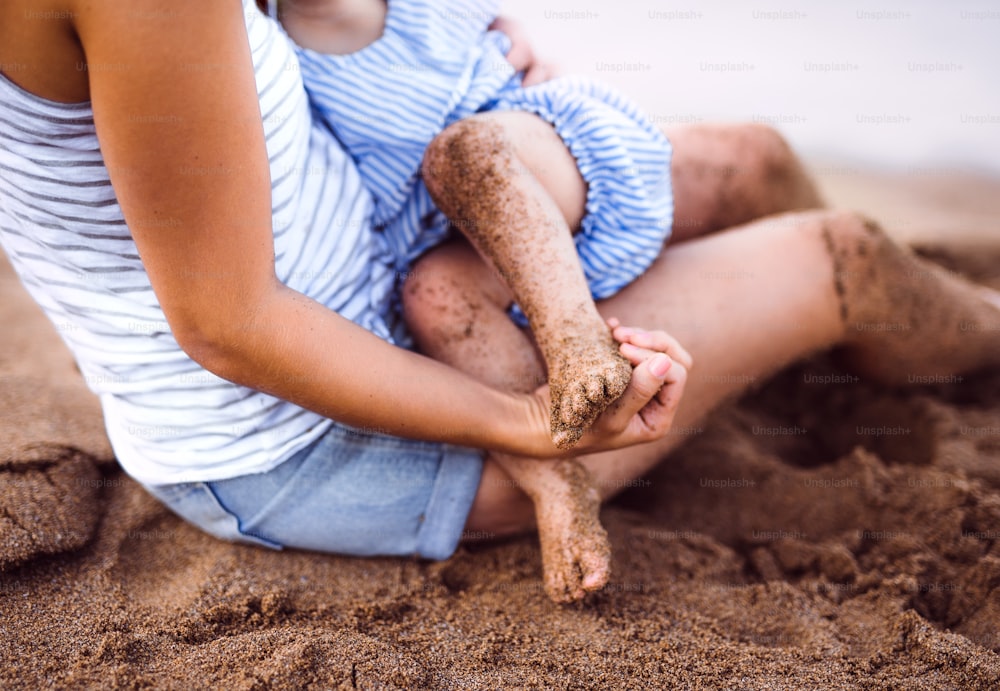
(576, 555)
(454, 325)
(477, 179)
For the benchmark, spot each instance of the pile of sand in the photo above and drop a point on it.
(820, 533)
(51, 436)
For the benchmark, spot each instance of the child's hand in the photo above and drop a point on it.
(522, 55)
(638, 345)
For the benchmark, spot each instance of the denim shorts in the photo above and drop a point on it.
(351, 492)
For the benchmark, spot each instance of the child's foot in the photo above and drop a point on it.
(576, 556)
(586, 375)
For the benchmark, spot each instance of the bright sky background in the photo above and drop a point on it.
(902, 85)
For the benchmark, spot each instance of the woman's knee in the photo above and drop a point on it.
(860, 244)
(848, 233)
(857, 248)
(769, 147)
(770, 159)
(851, 235)
(728, 175)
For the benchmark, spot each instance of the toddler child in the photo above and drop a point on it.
(446, 137)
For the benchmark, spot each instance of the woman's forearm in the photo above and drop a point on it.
(298, 350)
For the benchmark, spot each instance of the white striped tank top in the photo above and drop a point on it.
(169, 420)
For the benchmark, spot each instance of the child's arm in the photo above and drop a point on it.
(521, 55)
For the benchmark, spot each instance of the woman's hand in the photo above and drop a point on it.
(657, 358)
(522, 55)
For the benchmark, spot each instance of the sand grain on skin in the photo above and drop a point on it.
(576, 556)
(475, 187)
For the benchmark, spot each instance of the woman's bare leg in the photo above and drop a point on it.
(727, 175)
(748, 302)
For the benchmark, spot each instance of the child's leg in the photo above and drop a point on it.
(492, 175)
(452, 310)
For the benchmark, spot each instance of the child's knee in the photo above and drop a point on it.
(464, 154)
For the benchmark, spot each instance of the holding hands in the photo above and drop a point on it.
(645, 412)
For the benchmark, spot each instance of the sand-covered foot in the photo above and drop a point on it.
(576, 556)
(586, 376)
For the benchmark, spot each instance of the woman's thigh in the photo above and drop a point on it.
(744, 303)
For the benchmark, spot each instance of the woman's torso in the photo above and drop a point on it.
(169, 420)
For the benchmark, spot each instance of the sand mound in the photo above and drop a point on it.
(51, 437)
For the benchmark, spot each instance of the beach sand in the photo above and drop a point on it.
(822, 532)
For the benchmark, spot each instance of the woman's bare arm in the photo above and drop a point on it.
(206, 240)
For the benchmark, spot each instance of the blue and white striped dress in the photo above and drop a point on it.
(169, 420)
(437, 63)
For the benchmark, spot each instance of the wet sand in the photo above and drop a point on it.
(822, 532)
